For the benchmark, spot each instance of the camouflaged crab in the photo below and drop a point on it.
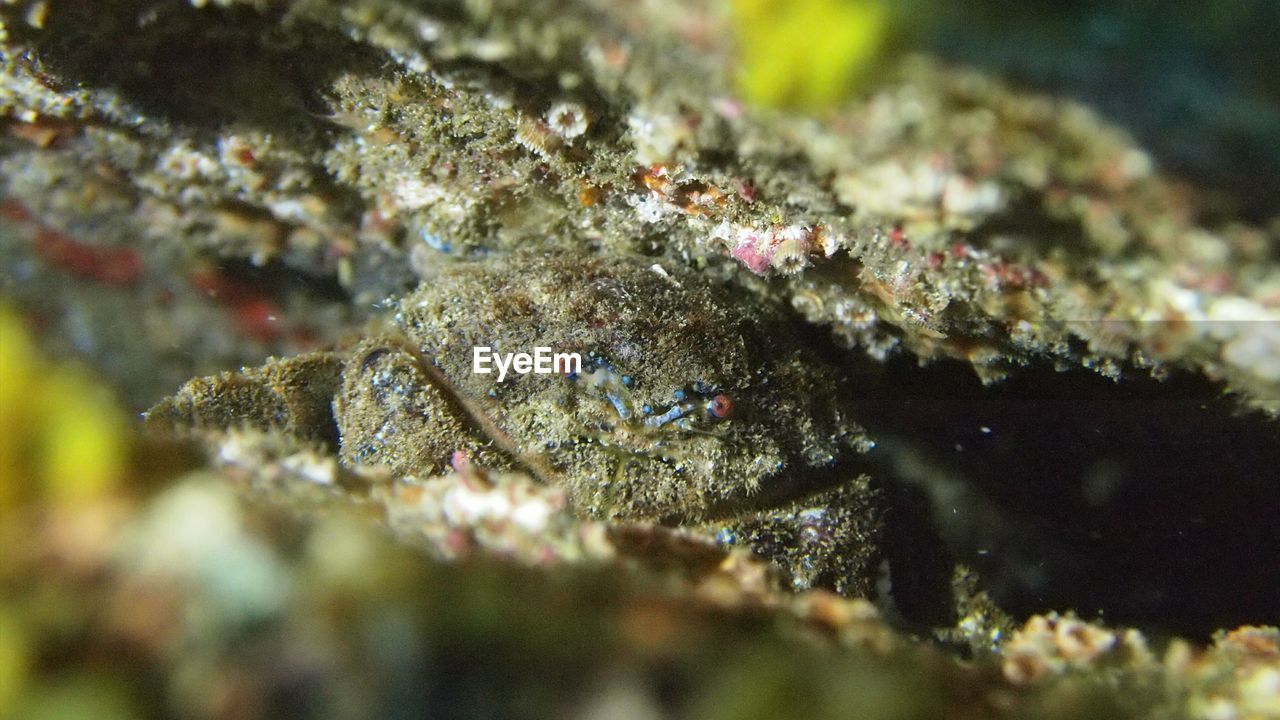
(687, 407)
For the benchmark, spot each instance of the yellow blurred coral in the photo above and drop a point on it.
(806, 54)
(63, 439)
(15, 661)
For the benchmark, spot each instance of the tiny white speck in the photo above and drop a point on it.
(661, 271)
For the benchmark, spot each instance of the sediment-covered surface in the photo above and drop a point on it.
(883, 404)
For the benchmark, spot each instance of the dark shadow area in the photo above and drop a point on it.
(1142, 502)
(920, 562)
(205, 67)
(279, 280)
(1023, 231)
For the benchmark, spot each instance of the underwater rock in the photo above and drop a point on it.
(192, 186)
(938, 212)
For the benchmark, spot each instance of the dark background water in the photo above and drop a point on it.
(1142, 502)
(1197, 83)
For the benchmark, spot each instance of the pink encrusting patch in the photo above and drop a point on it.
(746, 253)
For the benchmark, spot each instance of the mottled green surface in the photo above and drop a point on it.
(366, 189)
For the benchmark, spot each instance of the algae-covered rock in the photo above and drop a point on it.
(347, 198)
(937, 212)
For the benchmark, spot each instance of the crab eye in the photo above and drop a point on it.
(720, 406)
